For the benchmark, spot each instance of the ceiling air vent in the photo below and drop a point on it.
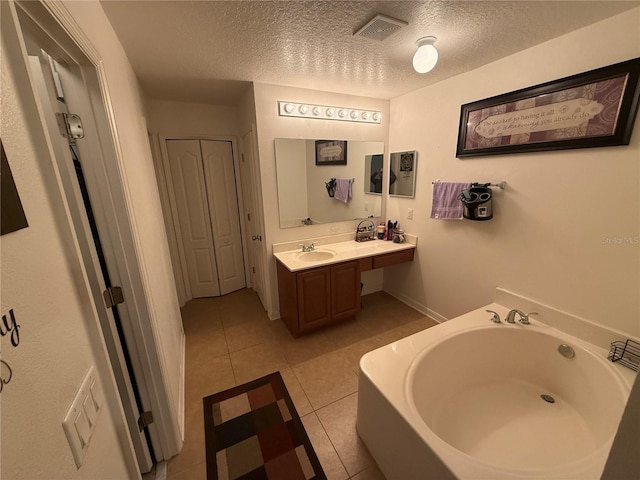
(380, 27)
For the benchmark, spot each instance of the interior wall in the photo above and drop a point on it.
(271, 126)
(170, 118)
(57, 337)
(565, 231)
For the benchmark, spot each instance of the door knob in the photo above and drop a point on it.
(257, 237)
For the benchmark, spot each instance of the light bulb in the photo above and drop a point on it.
(288, 108)
(303, 109)
(377, 117)
(426, 55)
(317, 111)
(365, 115)
(330, 112)
(354, 114)
(342, 113)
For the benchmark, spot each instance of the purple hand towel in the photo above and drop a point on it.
(446, 202)
(343, 189)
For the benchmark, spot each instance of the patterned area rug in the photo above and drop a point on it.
(253, 432)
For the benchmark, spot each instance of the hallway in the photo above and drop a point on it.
(230, 340)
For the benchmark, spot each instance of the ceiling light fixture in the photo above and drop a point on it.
(323, 112)
(426, 55)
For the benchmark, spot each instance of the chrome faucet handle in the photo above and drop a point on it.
(495, 318)
(524, 319)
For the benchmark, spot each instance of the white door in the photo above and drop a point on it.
(79, 177)
(220, 179)
(254, 216)
(190, 192)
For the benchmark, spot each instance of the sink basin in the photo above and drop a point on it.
(317, 255)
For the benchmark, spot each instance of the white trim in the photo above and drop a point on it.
(256, 187)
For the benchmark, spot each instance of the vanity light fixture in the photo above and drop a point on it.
(426, 55)
(323, 112)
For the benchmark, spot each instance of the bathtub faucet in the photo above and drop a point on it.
(524, 317)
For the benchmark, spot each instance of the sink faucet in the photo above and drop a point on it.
(308, 248)
(524, 317)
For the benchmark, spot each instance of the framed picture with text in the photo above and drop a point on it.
(331, 152)
(592, 109)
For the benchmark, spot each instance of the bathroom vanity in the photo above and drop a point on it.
(322, 286)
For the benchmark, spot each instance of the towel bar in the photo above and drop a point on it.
(502, 185)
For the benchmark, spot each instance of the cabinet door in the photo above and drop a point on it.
(345, 290)
(314, 298)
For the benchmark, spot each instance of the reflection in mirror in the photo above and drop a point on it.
(303, 196)
(373, 171)
(402, 181)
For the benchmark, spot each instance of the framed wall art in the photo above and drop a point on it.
(331, 152)
(12, 217)
(592, 109)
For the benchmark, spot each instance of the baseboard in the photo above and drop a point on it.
(419, 307)
(181, 403)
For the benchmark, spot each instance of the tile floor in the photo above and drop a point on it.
(230, 340)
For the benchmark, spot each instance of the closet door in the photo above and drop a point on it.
(225, 217)
(188, 181)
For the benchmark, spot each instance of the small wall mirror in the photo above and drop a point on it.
(402, 175)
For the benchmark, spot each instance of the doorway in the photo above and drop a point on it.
(202, 188)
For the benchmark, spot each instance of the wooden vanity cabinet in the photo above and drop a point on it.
(314, 298)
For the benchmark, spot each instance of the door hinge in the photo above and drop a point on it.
(70, 125)
(113, 296)
(145, 419)
(253, 269)
(249, 216)
(242, 156)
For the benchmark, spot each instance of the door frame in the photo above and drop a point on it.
(67, 39)
(251, 175)
(170, 209)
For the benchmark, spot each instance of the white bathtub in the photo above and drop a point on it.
(464, 400)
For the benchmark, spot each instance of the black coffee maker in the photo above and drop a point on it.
(477, 202)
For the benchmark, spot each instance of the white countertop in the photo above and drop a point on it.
(343, 251)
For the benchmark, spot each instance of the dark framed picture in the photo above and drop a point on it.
(331, 152)
(592, 109)
(12, 217)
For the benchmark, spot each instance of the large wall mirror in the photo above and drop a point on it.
(303, 196)
(402, 175)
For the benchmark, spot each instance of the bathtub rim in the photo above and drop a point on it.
(538, 329)
(403, 354)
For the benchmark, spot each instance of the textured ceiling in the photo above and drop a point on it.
(209, 51)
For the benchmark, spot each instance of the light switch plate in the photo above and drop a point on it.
(82, 417)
